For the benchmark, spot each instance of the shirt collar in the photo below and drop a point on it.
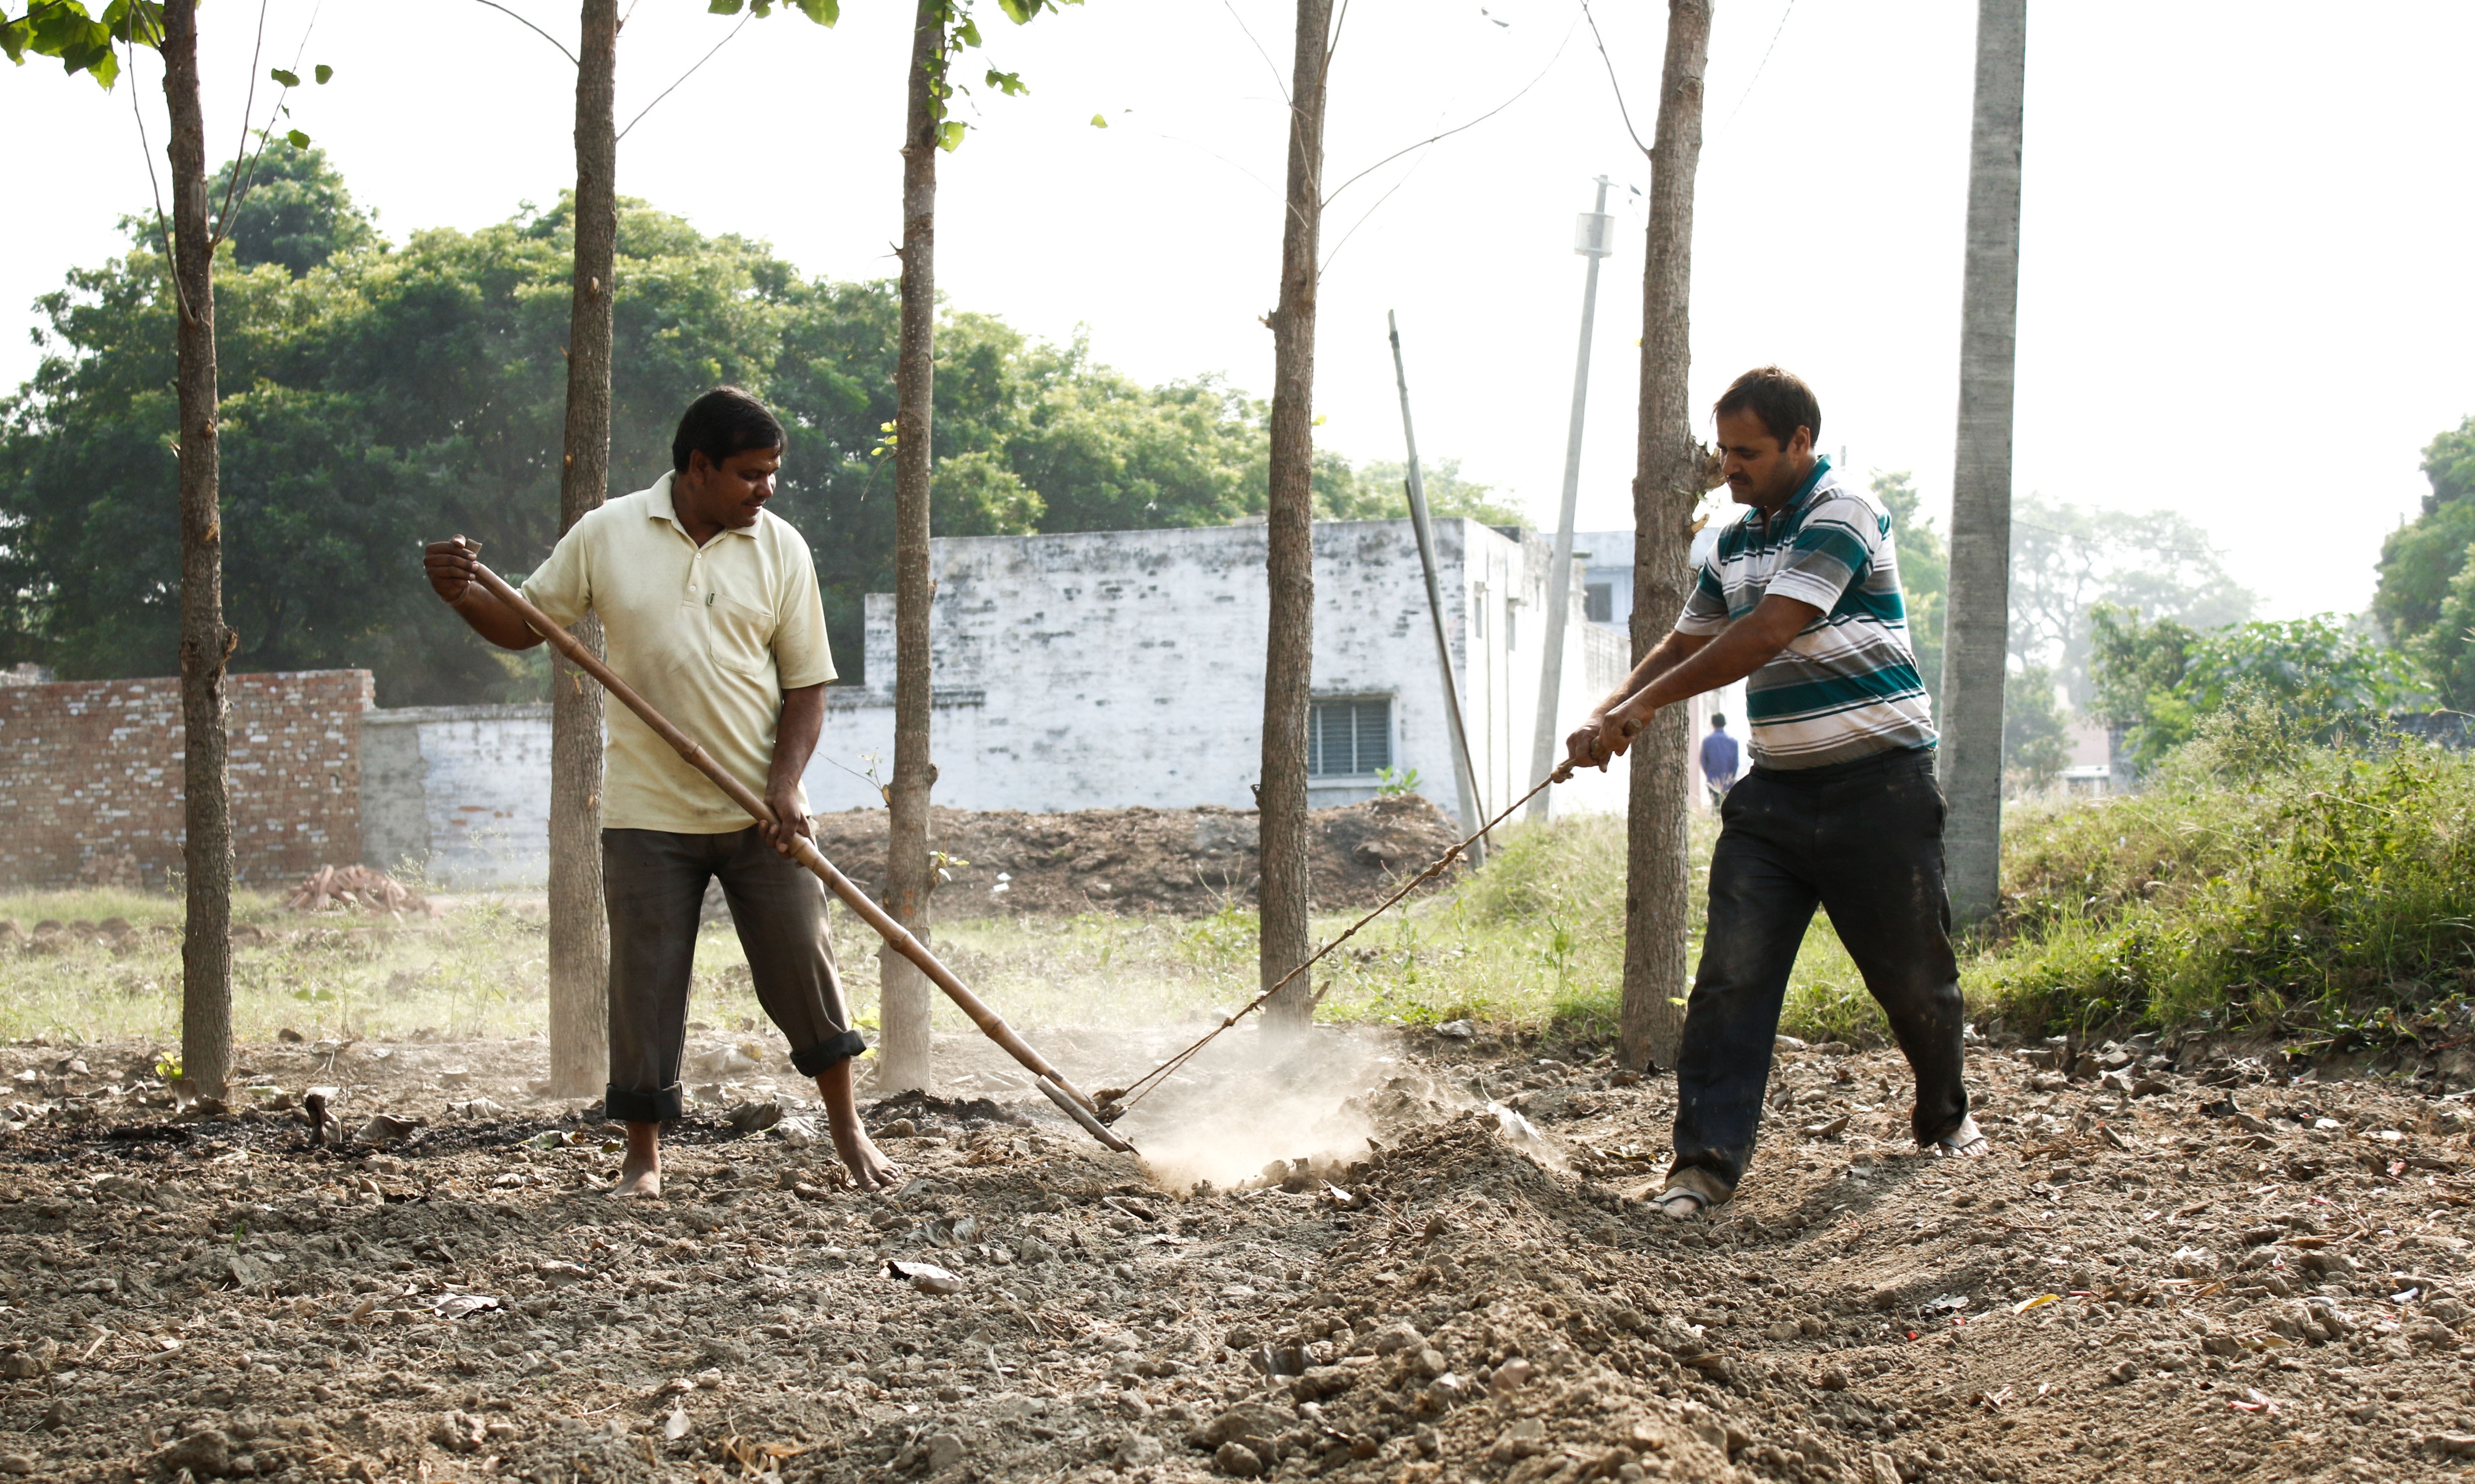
(1804, 491)
(658, 507)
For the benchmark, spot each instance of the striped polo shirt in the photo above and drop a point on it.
(1846, 686)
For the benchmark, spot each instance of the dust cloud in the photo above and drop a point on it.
(1257, 1095)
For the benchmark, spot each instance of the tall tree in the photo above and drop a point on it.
(939, 28)
(1976, 632)
(904, 1058)
(1288, 652)
(64, 30)
(1670, 475)
(206, 643)
(580, 930)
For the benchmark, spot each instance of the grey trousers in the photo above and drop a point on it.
(653, 883)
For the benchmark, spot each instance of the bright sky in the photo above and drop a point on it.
(2242, 286)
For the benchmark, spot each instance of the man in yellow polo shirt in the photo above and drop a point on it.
(709, 608)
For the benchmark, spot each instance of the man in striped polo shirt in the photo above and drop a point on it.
(1801, 599)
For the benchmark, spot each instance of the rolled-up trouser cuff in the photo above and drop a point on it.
(622, 1105)
(825, 1055)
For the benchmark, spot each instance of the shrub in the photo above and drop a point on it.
(2264, 880)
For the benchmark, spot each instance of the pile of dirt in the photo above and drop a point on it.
(2181, 1267)
(1180, 862)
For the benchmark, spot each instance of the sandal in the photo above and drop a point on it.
(1964, 1142)
(1679, 1203)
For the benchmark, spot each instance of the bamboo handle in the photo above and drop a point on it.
(803, 850)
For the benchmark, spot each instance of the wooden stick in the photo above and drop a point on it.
(803, 850)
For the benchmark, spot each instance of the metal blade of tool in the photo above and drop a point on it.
(993, 1025)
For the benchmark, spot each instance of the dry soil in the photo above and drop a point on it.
(2192, 1268)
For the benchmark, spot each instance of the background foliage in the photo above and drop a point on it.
(378, 395)
(2322, 679)
(2426, 598)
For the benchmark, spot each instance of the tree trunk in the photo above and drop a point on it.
(1289, 651)
(1977, 628)
(903, 1047)
(205, 644)
(579, 935)
(1668, 483)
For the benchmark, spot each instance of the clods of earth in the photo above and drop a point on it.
(2175, 1265)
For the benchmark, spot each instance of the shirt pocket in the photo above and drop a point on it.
(740, 635)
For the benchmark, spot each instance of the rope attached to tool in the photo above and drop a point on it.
(1115, 1101)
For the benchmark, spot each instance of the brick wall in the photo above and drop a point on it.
(90, 778)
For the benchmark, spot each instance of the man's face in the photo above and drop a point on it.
(732, 492)
(1758, 471)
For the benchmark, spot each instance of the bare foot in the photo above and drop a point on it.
(870, 1169)
(639, 1179)
(640, 1174)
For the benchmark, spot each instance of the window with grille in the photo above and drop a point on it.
(1349, 738)
(1599, 602)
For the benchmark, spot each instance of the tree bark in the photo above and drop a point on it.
(1977, 628)
(1288, 652)
(1669, 479)
(205, 644)
(904, 1048)
(579, 934)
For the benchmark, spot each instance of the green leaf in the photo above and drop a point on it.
(724, 8)
(1097, 122)
(300, 140)
(323, 73)
(1009, 84)
(968, 33)
(949, 135)
(288, 79)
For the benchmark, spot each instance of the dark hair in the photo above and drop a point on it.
(724, 422)
(1718, 719)
(1780, 399)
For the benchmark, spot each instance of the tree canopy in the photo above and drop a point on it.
(2067, 559)
(2426, 597)
(377, 394)
(2158, 677)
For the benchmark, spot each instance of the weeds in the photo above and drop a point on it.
(2262, 882)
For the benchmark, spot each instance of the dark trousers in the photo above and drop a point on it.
(653, 883)
(1864, 840)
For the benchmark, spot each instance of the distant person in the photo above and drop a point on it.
(1719, 756)
(708, 602)
(1801, 599)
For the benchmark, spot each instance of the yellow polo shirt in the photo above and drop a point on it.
(711, 635)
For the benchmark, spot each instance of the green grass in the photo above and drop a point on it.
(1534, 944)
(2261, 883)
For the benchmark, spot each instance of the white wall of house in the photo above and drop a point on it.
(458, 794)
(1113, 668)
(1104, 669)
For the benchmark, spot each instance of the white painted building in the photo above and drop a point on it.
(459, 793)
(1113, 668)
(1104, 669)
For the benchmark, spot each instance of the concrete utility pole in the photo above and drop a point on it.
(1465, 776)
(1594, 238)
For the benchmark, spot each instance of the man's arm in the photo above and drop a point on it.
(1743, 648)
(794, 742)
(1665, 655)
(450, 566)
